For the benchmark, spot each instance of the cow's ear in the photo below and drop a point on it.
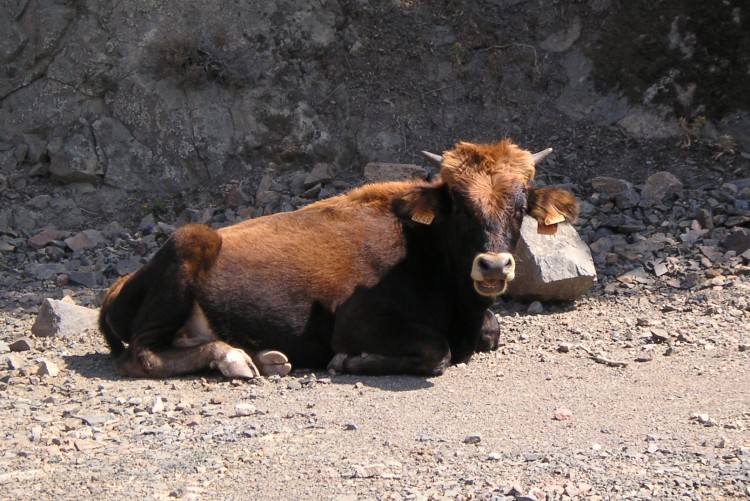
(421, 204)
(550, 206)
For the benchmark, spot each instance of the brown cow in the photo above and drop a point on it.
(388, 278)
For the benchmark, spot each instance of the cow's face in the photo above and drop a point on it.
(479, 206)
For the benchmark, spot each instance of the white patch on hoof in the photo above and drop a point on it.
(337, 362)
(273, 363)
(236, 364)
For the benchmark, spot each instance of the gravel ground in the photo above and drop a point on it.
(639, 390)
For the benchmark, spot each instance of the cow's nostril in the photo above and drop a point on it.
(483, 264)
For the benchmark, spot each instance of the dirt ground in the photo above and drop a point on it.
(540, 418)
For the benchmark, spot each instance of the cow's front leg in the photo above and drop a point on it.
(489, 336)
(426, 358)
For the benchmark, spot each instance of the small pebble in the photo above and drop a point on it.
(473, 438)
(23, 344)
(244, 409)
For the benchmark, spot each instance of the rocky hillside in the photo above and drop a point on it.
(109, 108)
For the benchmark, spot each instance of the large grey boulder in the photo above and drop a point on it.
(555, 267)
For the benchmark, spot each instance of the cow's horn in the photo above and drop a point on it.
(435, 160)
(541, 155)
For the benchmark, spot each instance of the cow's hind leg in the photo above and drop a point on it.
(165, 362)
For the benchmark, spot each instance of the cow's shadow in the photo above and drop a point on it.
(101, 366)
(386, 383)
(92, 366)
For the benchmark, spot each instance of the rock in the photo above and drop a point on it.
(551, 267)
(4, 348)
(564, 39)
(157, 406)
(627, 198)
(320, 174)
(47, 368)
(23, 344)
(351, 427)
(562, 414)
(738, 240)
(293, 384)
(86, 239)
(13, 361)
(63, 318)
(659, 187)
(88, 279)
(610, 185)
(473, 438)
(73, 158)
(236, 197)
(377, 172)
(41, 240)
(244, 409)
(535, 308)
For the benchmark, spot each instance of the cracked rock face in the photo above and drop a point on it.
(161, 98)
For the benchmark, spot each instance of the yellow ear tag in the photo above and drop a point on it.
(423, 217)
(546, 229)
(553, 218)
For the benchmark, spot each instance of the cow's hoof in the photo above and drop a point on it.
(337, 362)
(273, 363)
(236, 365)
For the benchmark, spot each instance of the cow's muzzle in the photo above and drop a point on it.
(491, 273)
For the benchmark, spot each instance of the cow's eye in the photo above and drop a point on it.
(521, 205)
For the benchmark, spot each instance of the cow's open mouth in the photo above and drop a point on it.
(490, 287)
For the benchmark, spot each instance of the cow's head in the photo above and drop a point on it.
(479, 204)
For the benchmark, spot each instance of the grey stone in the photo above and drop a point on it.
(45, 271)
(13, 361)
(47, 368)
(42, 239)
(535, 308)
(127, 266)
(627, 198)
(88, 279)
(63, 318)
(377, 172)
(73, 158)
(659, 187)
(610, 185)
(555, 267)
(23, 344)
(738, 240)
(320, 174)
(86, 239)
(564, 39)
(473, 438)
(646, 123)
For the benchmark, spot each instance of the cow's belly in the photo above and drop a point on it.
(255, 316)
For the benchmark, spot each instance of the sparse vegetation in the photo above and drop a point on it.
(725, 144)
(155, 208)
(690, 130)
(458, 55)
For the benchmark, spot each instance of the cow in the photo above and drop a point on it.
(388, 278)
